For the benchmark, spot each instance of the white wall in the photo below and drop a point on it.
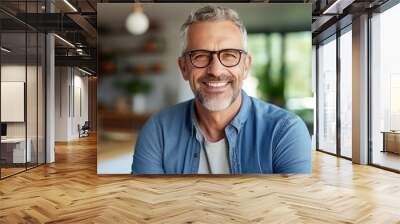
(61, 103)
(14, 73)
(33, 106)
(80, 93)
(70, 83)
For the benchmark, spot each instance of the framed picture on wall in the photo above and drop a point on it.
(12, 101)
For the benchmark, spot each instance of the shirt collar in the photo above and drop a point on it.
(236, 122)
(243, 113)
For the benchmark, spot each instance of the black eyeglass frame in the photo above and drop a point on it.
(189, 53)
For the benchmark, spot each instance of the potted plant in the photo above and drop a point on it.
(137, 89)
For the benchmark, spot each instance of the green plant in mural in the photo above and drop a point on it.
(282, 68)
(272, 75)
(134, 86)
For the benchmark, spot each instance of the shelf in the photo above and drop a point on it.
(139, 69)
(123, 121)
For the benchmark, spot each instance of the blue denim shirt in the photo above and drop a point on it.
(262, 138)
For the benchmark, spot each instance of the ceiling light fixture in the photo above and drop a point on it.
(84, 71)
(137, 22)
(64, 40)
(337, 7)
(80, 51)
(5, 49)
(70, 5)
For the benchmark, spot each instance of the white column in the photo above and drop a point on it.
(50, 92)
(360, 90)
(314, 91)
(50, 100)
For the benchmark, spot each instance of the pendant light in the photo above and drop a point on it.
(137, 22)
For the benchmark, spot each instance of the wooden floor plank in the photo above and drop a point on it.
(70, 191)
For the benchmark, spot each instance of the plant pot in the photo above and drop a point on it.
(139, 103)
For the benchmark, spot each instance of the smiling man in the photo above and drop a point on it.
(222, 130)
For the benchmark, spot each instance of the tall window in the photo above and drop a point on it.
(385, 84)
(327, 96)
(346, 94)
(22, 77)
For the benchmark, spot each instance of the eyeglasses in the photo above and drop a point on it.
(203, 58)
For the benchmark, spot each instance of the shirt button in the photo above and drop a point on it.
(195, 155)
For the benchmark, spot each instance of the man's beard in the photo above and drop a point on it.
(216, 101)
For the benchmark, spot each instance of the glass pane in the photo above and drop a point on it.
(31, 87)
(386, 89)
(346, 94)
(13, 87)
(41, 98)
(31, 97)
(327, 97)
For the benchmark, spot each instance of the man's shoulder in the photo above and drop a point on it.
(173, 113)
(264, 110)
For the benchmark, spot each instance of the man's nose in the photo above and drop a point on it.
(215, 67)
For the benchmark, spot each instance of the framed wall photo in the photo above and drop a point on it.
(12, 101)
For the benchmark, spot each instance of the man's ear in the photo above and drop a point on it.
(183, 68)
(247, 65)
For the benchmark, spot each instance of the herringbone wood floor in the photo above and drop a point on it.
(70, 191)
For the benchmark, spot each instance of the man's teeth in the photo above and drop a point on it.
(216, 84)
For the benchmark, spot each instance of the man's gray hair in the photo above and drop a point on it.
(212, 13)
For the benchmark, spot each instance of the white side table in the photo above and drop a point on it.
(19, 149)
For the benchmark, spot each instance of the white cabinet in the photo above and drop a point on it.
(18, 149)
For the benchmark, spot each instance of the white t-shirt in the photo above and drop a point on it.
(214, 157)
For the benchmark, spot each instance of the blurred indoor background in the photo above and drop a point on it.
(139, 75)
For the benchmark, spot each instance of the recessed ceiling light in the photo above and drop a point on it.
(70, 5)
(5, 49)
(64, 40)
(84, 71)
(337, 7)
